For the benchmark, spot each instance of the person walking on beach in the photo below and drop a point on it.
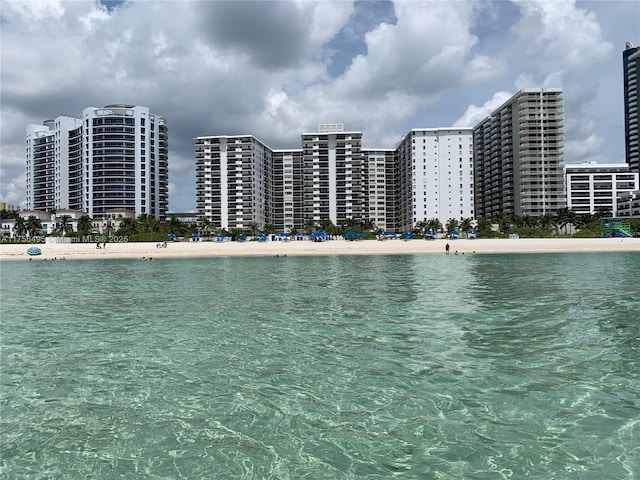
(446, 248)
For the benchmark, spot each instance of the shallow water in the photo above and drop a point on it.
(475, 367)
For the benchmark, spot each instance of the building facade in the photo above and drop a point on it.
(111, 157)
(518, 152)
(332, 174)
(286, 198)
(629, 204)
(434, 176)
(631, 67)
(378, 186)
(52, 164)
(242, 183)
(593, 187)
(232, 180)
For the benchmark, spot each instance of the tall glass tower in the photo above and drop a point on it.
(631, 64)
(115, 157)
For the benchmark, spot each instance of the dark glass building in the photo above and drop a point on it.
(631, 63)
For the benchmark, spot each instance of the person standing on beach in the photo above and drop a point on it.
(446, 248)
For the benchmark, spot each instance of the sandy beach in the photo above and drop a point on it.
(76, 251)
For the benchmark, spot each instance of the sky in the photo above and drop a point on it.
(276, 69)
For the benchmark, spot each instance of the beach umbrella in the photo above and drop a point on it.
(34, 251)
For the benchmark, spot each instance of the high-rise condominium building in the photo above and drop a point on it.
(332, 174)
(631, 64)
(232, 180)
(54, 160)
(111, 157)
(518, 151)
(240, 181)
(378, 187)
(434, 176)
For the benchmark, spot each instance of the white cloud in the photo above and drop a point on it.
(585, 150)
(559, 36)
(474, 114)
(428, 51)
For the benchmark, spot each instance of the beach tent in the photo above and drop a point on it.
(261, 237)
(171, 237)
(472, 233)
(353, 236)
(195, 237)
(282, 237)
(300, 236)
(219, 237)
(454, 234)
(319, 236)
(408, 235)
(241, 237)
(430, 235)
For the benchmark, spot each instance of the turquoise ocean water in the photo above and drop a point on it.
(410, 367)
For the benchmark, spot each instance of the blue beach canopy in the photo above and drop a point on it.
(319, 235)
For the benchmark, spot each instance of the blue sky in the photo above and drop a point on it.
(277, 69)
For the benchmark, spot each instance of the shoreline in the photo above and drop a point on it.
(138, 250)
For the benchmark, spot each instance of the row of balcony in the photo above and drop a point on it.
(107, 130)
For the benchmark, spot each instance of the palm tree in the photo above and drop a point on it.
(465, 225)
(310, 225)
(546, 221)
(253, 228)
(420, 227)
(176, 226)
(504, 221)
(34, 226)
(149, 224)
(85, 225)
(234, 233)
(205, 227)
(584, 219)
(19, 227)
(63, 225)
(327, 225)
(434, 224)
(484, 225)
(9, 213)
(564, 217)
(452, 224)
(369, 225)
(128, 227)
